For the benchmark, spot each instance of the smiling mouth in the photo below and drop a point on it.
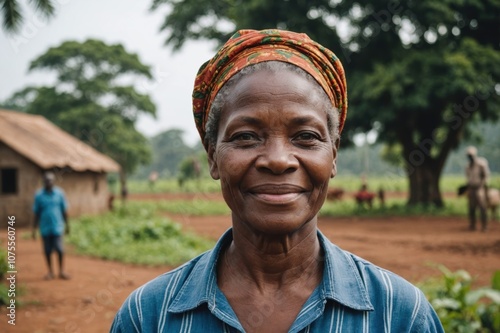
(279, 194)
(277, 198)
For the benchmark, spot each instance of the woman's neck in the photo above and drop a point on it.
(274, 261)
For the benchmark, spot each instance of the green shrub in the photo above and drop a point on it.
(194, 207)
(202, 185)
(135, 234)
(394, 207)
(462, 309)
(4, 290)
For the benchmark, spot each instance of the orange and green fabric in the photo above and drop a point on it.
(248, 47)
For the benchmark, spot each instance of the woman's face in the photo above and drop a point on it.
(274, 154)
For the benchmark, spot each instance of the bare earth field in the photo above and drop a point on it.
(88, 302)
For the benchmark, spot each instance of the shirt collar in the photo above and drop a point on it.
(201, 284)
(342, 280)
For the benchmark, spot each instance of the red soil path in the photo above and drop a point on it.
(88, 302)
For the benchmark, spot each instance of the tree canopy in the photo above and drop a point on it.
(93, 98)
(12, 13)
(419, 72)
(169, 149)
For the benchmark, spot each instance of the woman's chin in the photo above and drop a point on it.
(275, 226)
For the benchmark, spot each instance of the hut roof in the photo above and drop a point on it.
(48, 146)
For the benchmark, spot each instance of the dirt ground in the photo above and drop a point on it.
(89, 301)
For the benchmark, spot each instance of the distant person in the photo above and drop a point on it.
(50, 208)
(153, 177)
(124, 193)
(111, 201)
(477, 173)
(381, 197)
(364, 196)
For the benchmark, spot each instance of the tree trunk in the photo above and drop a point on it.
(424, 170)
(123, 185)
(424, 185)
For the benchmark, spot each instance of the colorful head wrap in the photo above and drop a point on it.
(248, 47)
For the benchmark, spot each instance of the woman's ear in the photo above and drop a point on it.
(212, 163)
(334, 164)
(334, 169)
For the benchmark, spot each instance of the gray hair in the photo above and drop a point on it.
(220, 99)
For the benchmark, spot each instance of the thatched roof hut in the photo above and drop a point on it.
(30, 145)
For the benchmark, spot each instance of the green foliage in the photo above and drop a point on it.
(13, 16)
(91, 98)
(393, 207)
(394, 182)
(169, 149)
(190, 169)
(462, 309)
(197, 207)
(484, 136)
(171, 185)
(135, 234)
(3, 264)
(4, 290)
(419, 72)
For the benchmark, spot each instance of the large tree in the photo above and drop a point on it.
(93, 98)
(12, 13)
(419, 72)
(169, 149)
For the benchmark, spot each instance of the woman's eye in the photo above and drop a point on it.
(244, 137)
(307, 136)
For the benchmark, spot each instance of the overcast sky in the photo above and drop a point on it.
(114, 21)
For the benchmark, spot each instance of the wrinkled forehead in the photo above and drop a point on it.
(275, 81)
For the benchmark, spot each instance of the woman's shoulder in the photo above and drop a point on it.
(146, 305)
(391, 295)
(169, 282)
(374, 281)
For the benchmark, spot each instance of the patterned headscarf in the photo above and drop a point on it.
(248, 47)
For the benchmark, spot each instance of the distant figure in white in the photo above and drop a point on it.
(477, 173)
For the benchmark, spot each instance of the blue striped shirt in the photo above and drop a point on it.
(354, 296)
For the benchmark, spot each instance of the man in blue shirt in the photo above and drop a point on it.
(50, 208)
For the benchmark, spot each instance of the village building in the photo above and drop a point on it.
(31, 145)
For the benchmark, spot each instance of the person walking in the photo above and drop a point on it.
(477, 173)
(50, 208)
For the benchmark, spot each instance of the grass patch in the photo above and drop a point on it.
(394, 207)
(194, 207)
(203, 185)
(395, 183)
(135, 234)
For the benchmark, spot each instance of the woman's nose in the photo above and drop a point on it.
(277, 157)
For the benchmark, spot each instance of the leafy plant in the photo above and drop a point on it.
(4, 299)
(197, 207)
(136, 234)
(462, 309)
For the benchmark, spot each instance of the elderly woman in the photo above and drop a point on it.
(269, 108)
